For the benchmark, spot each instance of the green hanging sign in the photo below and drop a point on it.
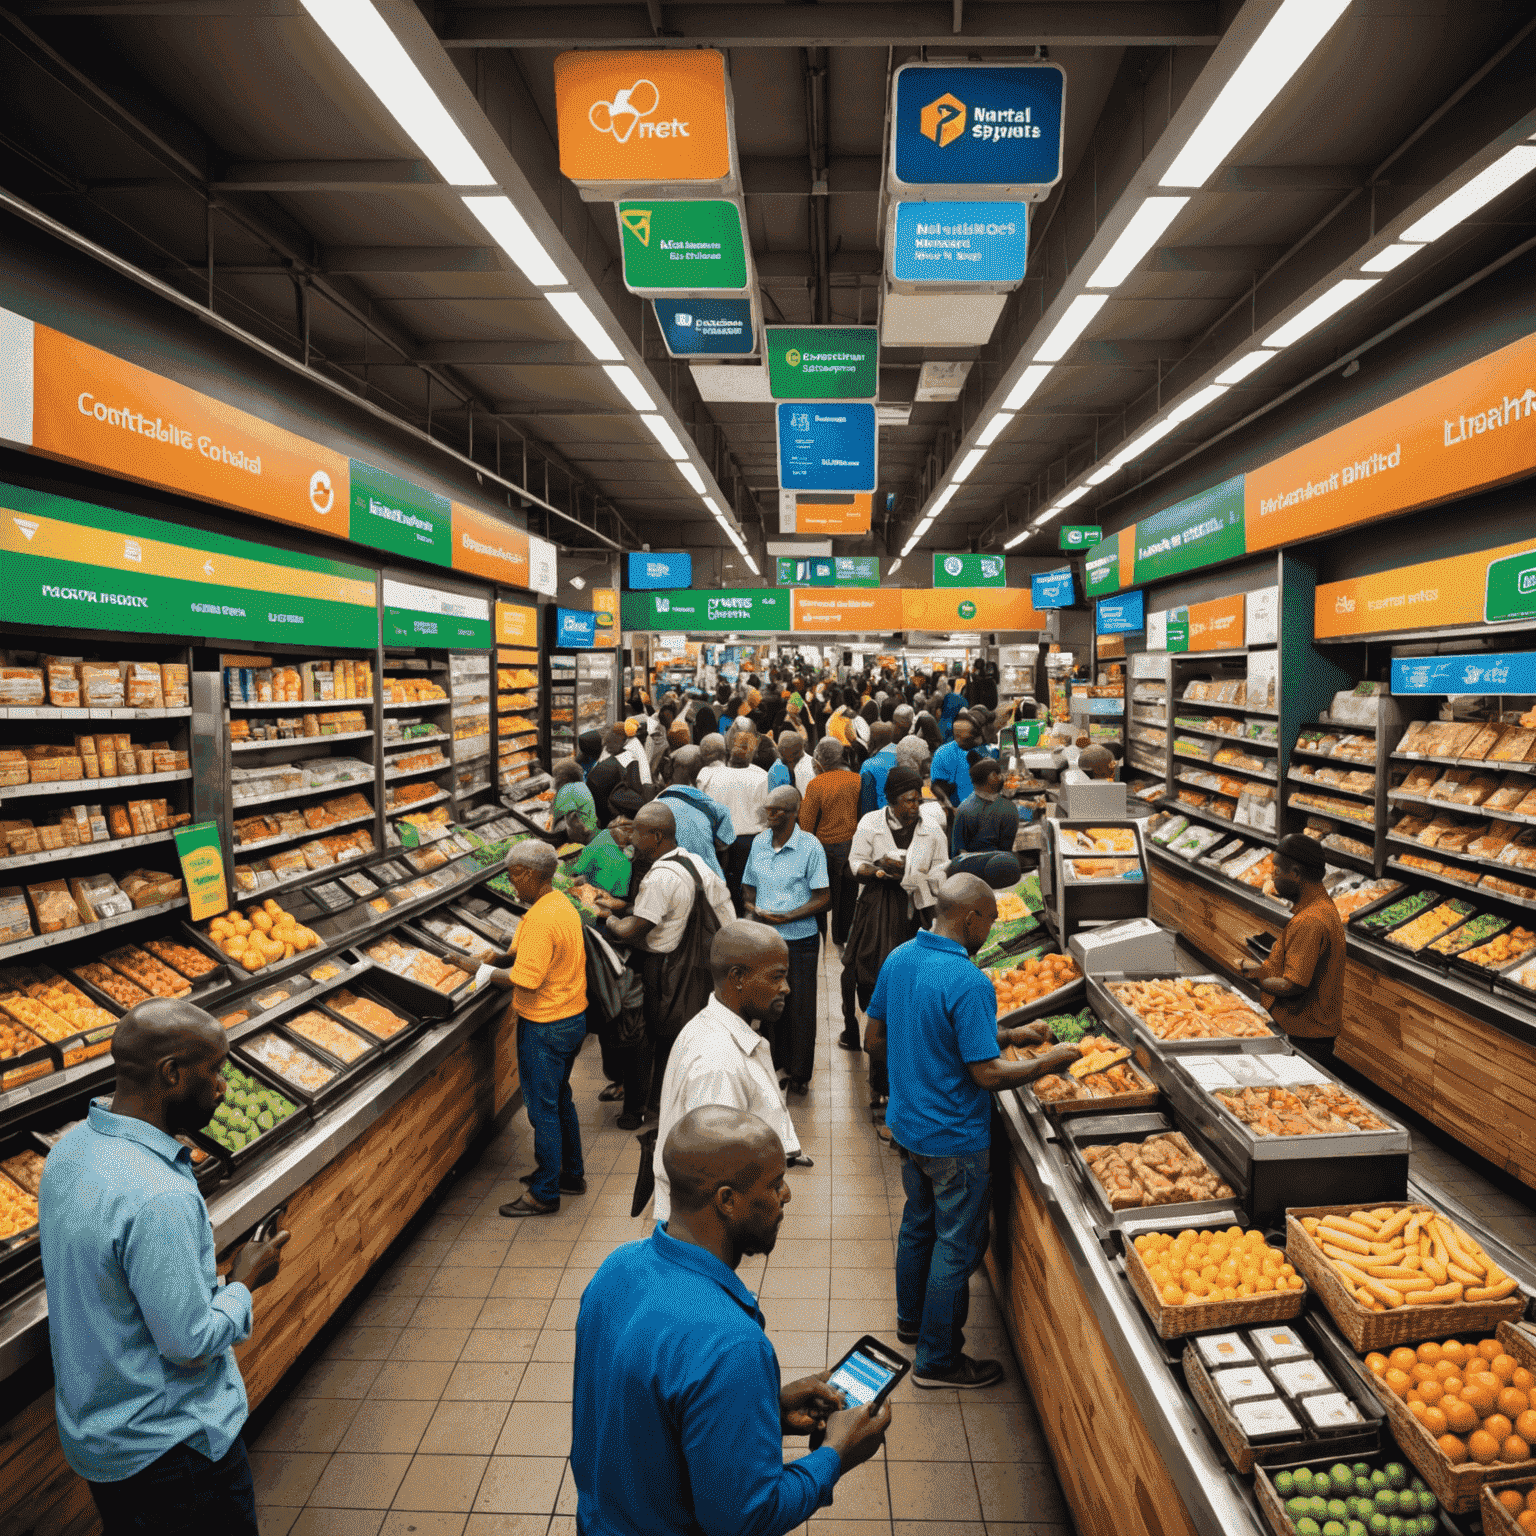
(823, 362)
(689, 246)
(957, 570)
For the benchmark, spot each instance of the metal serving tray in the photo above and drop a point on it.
(1132, 1029)
(268, 1139)
(361, 987)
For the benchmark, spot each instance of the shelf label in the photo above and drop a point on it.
(822, 362)
(1178, 629)
(202, 867)
(1217, 625)
(1503, 673)
(517, 624)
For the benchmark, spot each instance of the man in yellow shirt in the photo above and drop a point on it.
(548, 978)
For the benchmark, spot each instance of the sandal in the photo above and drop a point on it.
(611, 1094)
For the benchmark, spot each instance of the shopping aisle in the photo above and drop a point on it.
(444, 1408)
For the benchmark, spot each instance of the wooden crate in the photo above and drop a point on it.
(1175, 1322)
(1497, 1521)
(1384, 1331)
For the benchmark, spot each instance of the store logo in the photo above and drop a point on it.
(27, 526)
(604, 620)
(683, 322)
(991, 566)
(622, 115)
(638, 222)
(132, 551)
(792, 357)
(953, 565)
(967, 609)
(943, 120)
(663, 605)
(322, 494)
(1525, 582)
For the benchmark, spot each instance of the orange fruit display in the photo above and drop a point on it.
(1454, 1450)
(1514, 1449)
(1403, 1359)
(1376, 1363)
(1461, 1417)
(1482, 1447)
(1513, 1402)
(1512, 1501)
(1484, 1418)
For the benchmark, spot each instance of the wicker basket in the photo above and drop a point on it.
(1497, 1521)
(1383, 1331)
(1174, 1322)
(1457, 1488)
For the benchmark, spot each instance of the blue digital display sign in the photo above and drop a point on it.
(707, 327)
(1053, 589)
(575, 630)
(659, 572)
(1122, 615)
(826, 447)
(960, 242)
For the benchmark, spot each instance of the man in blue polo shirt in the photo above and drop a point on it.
(704, 826)
(678, 1417)
(933, 1021)
(881, 759)
(950, 774)
(786, 884)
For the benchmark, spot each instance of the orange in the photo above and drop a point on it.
(1459, 1415)
(1527, 1520)
(1423, 1373)
(1435, 1421)
(1530, 1501)
(1399, 1382)
(1513, 1402)
(1498, 1426)
(1448, 1370)
(1376, 1363)
(1490, 1349)
(1504, 1367)
(1429, 1354)
(1512, 1501)
(1523, 1379)
(1418, 1407)
(1430, 1391)
(1452, 1383)
(1403, 1359)
(1482, 1447)
(1453, 1349)
(1479, 1397)
(1454, 1450)
(1514, 1449)
(1525, 1426)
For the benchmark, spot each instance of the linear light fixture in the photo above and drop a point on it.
(572, 308)
(895, 566)
(1136, 239)
(1244, 366)
(1343, 292)
(365, 41)
(632, 389)
(1075, 494)
(994, 429)
(1103, 473)
(1072, 324)
(1029, 381)
(1197, 402)
(1017, 539)
(714, 507)
(692, 476)
(751, 563)
(661, 430)
(968, 463)
(1048, 514)
(944, 498)
(509, 229)
(1466, 200)
(1390, 259)
(1294, 31)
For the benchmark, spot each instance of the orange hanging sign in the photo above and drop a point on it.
(485, 546)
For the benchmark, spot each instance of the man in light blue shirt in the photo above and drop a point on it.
(881, 759)
(785, 883)
(148, 1395)
(950, 774)
(704, 826)
(678, 1415)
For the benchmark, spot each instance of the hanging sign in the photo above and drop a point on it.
(1052, 589)
(958, 570)
(392, 514)
(968, 608)
(605, 616)
(430, 617)
(877, 611)
(949, 243)
(71, 565)
(826, 447)
(829, 571)
(1078, 536)
(682, 247)
(1103, 570)
(517, 624)
(1509, 672)
(825, 514)
(704, 327)
(662, 571)
(1125, 615)
(1217, 625)
(977, 128)
(1195, 532)
(202, 868)
(719, 612)
(485, 546)
(575, 629)
(822, 362)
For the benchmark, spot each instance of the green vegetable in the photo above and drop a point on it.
(1307, 1528)
(1283, 1484)
(1337, 1510)
(1399, 911)
(1303, 1480)
(1397, 1474)
(1386, 1501)
(1296, 1508)
(1378, 1479)
(1319, 1503)
(1333, 1528)
(1378, 1525)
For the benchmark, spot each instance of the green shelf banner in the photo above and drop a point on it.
(823, 362)
(1196, 532)
(434, 619)
(682, 247)
(1079, 536)
(694, 612)
(392, 514)
(1510, 592)
(957, 570)
(1178, 629)
(1103, 570)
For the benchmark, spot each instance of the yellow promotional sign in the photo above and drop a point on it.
(485, 546)
(605, 609)
(517, 624)
(202, 868)
(627, 118)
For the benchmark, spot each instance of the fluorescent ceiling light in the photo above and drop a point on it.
(572, 308)
(1080, 311)
(1102, 473)
(1244, 366)
(1139, 445)
(1075, 494)
(661, 430)
(578, 582)
(1281, 49)
(692, 476)
(942, 501)
(968, 463)
(1343, 292)
(1465, 201)
(1048, 514)
(894, 566)
(363, 39)
(751, 564)
(1029, 381)
(1390, 259)
(1017, 539)
(713, 505)
(1136, 239)
(632, 389)
(509, 229)
(1196, 403)
(994, 429)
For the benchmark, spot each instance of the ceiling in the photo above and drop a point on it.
(226, 148)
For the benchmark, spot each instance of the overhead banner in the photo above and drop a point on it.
(1109, 567)
(429, 617)
(1198, 531)
(706, 327)
(827, 514)
(960, 570)
(694, 246)
(969, 608)
(626, 118)
(72, 565)
(1079, 536)
(882, 610)
(978, 129)
(829, 571)
(696, 612)
(877, 611)
(826, 447)
(1120, 615)
(517, 624)
(822, 362)
(1217, 625)
(575, 629)
(652, 570)
(958, 243)
(485, 546)
(1511, 672)
(605, 616)
(1467, 431)
(1053, 589)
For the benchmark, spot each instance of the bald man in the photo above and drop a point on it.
(149, 1398)
(785, 884)
(933, 1022)
(723, 1055)
(678, 1415)
(704, 826)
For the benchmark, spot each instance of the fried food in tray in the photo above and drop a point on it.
(147, 972)
(18, 1210)
(1180, 1008)
(1162, 1170)
(191, 963)
(1309, 1109)
(378, 1020)
(322, 1030)
(418, 964)
(120, 989)
(1111, 1082)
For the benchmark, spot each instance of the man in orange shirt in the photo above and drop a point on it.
(547, 972)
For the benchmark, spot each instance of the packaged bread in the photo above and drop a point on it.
(53, 907)
(1512, 789)
(141, 684)
(1413, 737)
(13, 768)
(21, 685)
(15, 920)
(101, 685)
(1479, 747)
(1513, 746)
(99, 897)
(1518, 889)
(175, 684)
(63, 682)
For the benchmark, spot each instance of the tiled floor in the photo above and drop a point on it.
(444, 1408)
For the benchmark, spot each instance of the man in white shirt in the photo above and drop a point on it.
(742, 788)
(713, 748)
(720, 1058)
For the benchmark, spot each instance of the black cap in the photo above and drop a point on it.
(1303, 850)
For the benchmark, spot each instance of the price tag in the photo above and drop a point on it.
(27, 713)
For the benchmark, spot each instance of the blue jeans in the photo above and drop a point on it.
(545, 1055)
(181, 1494)
(942, 1242)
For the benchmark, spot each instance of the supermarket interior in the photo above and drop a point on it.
(421, 425)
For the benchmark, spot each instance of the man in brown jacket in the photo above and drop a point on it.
(830, 813)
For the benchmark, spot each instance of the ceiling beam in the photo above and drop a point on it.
(1215, 258)
(983, 24)
(1135, 354)
(789, 175)
(325, 175)
(491, 354)
(411, 258)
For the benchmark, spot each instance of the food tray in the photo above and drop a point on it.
(1458, 1488)
(357, 1066)
(423, 1003)
(434, 946)
(1132, 1028)
(249, 1062)
(1384, 1331)
(283, 1131)
(1359, 921)
(388, 1044)
(422, 935)
(1105, 1131)
(1266, 1149)
(1052, 1002)
(21, 1257)
(1174, 1322)
(1099, 1105)
(1273, 1505)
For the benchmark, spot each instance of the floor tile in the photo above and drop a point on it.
(339, 1378)
(925, 1432)
(441, 1483)
(360, 1482)
(468, 1428)
(402, 1522)
(403, 1380)
(338, 1522)
(546, 1384)
(933, 1490)
(286, 1477)
(313, 1424)
(276, 1519)
(430, 1343)
(382, 1426)
(499, 1344)
(1019, 1491)
(536, 1429)
(483, 1381)
(520, 1484)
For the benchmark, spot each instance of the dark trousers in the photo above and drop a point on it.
(659, 1032)
(794, 1036)
(844, 891)
(183, 1493)
(999, 870)
(736, 867)
(629, 1065)
(545, 1055)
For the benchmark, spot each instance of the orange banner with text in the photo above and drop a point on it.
(605, 609)
(1217, 625)
(967, 608)
(849, 609)
(836, 517)
(485, 546)
(95, 409)
(516, 624)
(1472, 429)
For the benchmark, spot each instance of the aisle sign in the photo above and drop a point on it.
(706, 327)
(1505, 673)
(71, 565)
(575, 629)
(1053, 589)
(202, 868)
(822, 513)
(1200, 530)
(392, 514)
(517, 624)
(694, 246)
(1125, 615)
(829, 571)
(1079, 536)
(877, 611)
(605, 615)
(959, 242)
(1218, 624)
(822, 362)
(485, 546)
(825, 447)
(968, 608)
(1103, 570)
(1178, 629)
(973, 126)
(718, 612)
(427, 616)
(961, 570)
(657, 570)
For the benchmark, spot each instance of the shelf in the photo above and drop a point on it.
(1458, 885)
(91, 786)
(422, 704)
(62, 712)
(1256, 833)
(1226, 736)
(416, 805)
(1464, 762)
(1367, 866)
(83, 850)
(241, 849)
(470, 757)
(288, 742)
(1464, 810)
(1343, 725)
(89, 930)
(416, 741)
(1336, 789)
(1344, 821)
(295, 704)
(339, 787)
(411, 773)
(1266, 778)
(527, 730)
(325, 872)
(1157, 720)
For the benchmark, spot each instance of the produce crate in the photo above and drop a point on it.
(1457, 1488)
(1497, 1521)
(1175, 1322)
(283, 1131)
(1367, 1330)
(1271, 1502)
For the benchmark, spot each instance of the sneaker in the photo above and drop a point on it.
(906, 1335)
(567, 1186)
(965, 1376)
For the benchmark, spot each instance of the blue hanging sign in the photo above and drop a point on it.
(660, 572)
(1505, 672)
(826, 447)
(707, 327)
(972, 126)
(1123, 615)
(575, 629)
(959, 242)
(1052, 589)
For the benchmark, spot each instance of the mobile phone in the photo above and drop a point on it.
(868, 1373)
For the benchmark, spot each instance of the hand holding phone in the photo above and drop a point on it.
(865, 1377)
